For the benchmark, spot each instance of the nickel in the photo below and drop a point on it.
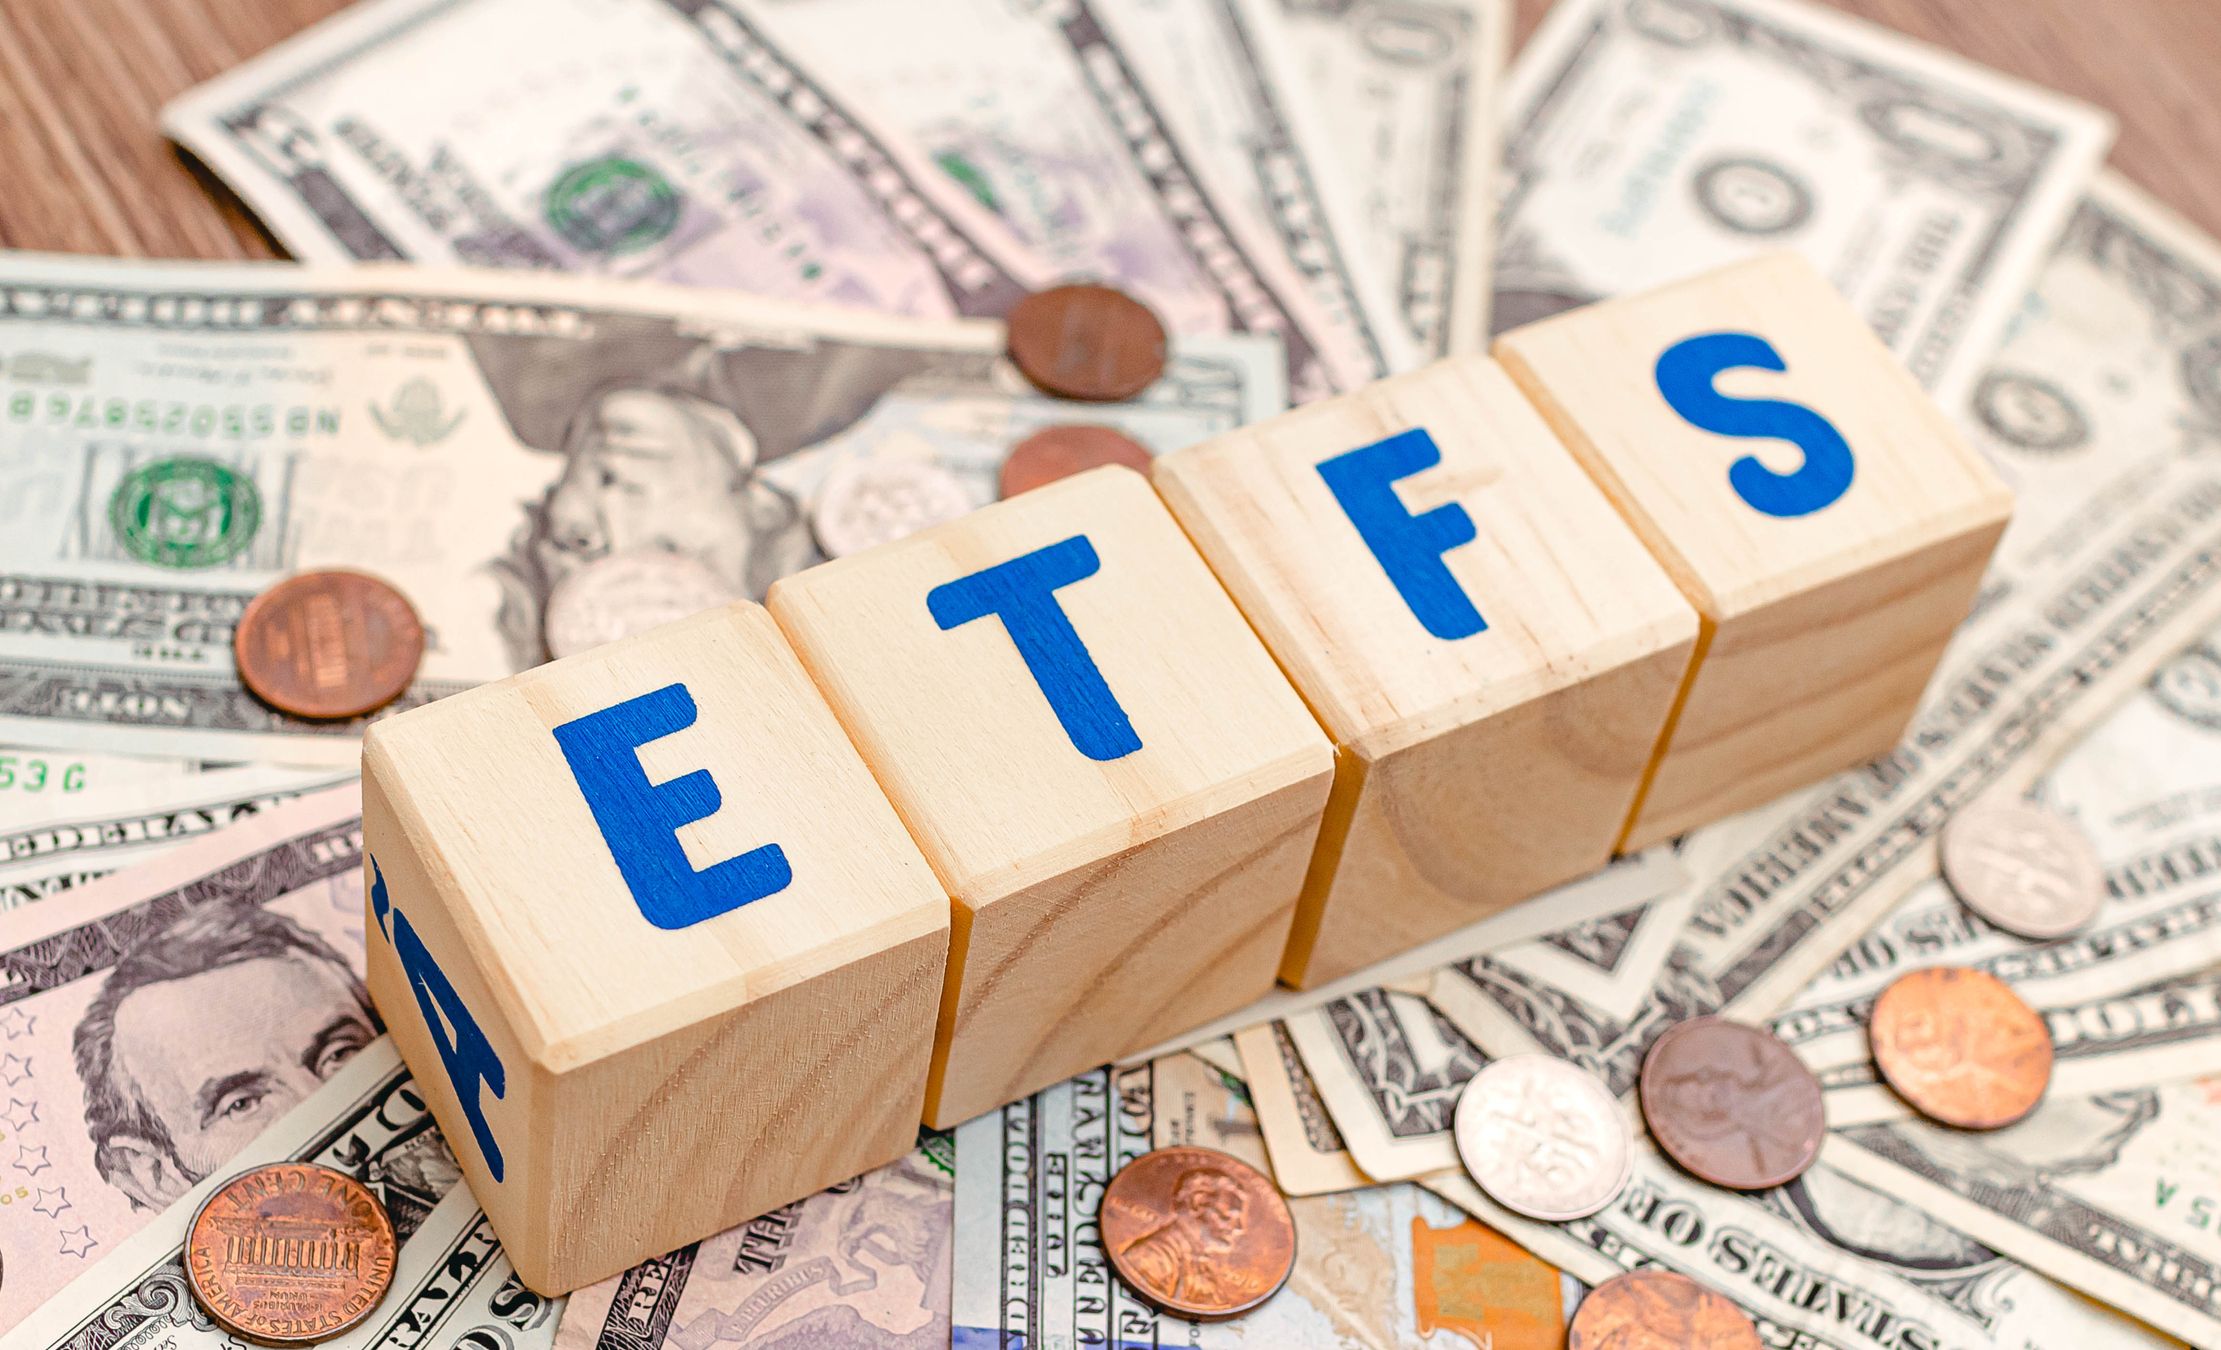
(628, 593)
(1658, 1310)
(1961, 1047)
(1543, 1138)
(1197, 1233)
(868, 502)
(1061, 451)
(327, 645)
(2023, 867)
(290, 1254)
(1732, 1104)
(1086, 342)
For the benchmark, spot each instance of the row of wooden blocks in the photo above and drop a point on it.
(689, 926)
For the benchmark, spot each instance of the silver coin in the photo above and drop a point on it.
(2025, 868)
(1544, 1138)
(868, 502)
(627, 593)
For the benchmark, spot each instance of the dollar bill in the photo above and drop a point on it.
(474, 438)
(2131, 998)
(863, 1264)
(154, 1022)
(451, 1284)
(2113, 1194)
(30, 776)
(1306, 1152)
(1647, 141)
(631, 138)
(1145, 142)
(69, 841)
(1404, 98)
(1389, 1069)
(1827, 1262)
(1375, 1269)
(2094, 410)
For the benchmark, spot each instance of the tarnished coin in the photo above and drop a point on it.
(1543, 1138)
(1197, 1233)
(868, 502)
(1086, 342)
(1658, 1310)
(2025, 868)
(328, 645)
(627, 593)
(1961, 1047)
(1061, 451)
(290, 1254)
(1732, 1104)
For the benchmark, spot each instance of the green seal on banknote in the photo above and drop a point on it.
(185, 512)
(612, 205)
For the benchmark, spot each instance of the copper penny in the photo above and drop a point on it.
(1059, 452)
(290, 1254)
(1658, 1310)
(1961, 1046)
(1197, 1233)
(328, 645)
(1086, 342)
(1732, 1104)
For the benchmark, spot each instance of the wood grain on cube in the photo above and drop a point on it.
(1813, 503)
(1122, 869)
(670, 1071)
(1483, 754)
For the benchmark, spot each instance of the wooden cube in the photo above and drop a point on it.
(1491, 648)
(1814, 504)
(659, 951)
(1113, 781)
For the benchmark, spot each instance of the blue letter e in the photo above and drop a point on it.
(1022, 592)
(1409, 547)
(639, 820)
(1685, 375)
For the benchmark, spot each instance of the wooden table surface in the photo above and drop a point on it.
(87, 172)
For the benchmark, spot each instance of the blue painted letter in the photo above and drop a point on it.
(469, 1056)
(1022, 593)
(1409, 547)
(639, 820)
(1685, 375)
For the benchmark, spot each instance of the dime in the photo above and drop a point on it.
(1732, 1104)
(627, 593)
(2024, 867)
(290, 1254)
(1961, 1047)
(1061, 451)
(867, 502)
(1197, 1233)
(1086, 342)
(1543, 1138)
(328, 645)
(1658, 1310)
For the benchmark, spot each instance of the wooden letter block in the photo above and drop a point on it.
(1812, 502)
(1491, 648)
(659, 951)
(1114, 783)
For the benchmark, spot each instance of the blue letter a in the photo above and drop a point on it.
(1022, 592)
(463, 1047)
(639, 820)
(1409, 547)
(1685, 376)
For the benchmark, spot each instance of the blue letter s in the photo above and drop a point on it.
(639, 820)
(1022, 592)
(1685, 375)
(1409, 547)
